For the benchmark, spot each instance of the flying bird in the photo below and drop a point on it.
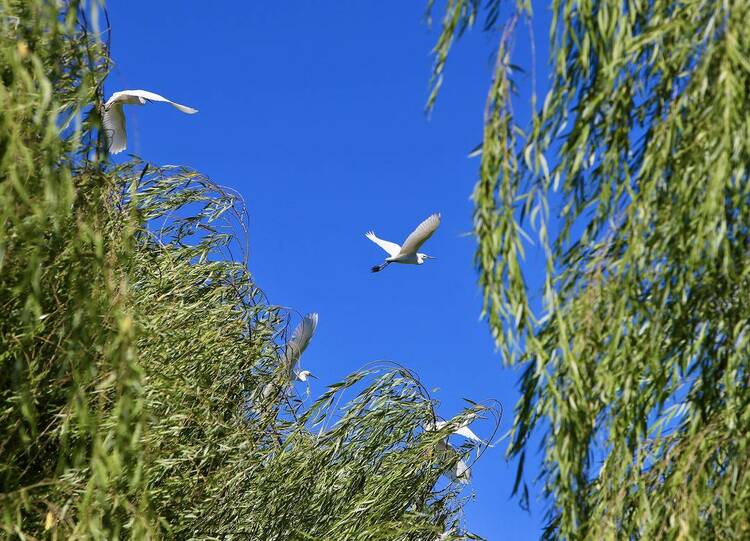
(462, 430)
(303, 375)
(292, 353)
(297, 345)
(460, 472)
(113, 118)
(407, 252)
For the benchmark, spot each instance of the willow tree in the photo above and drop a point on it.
(134, 359)
(632, 180)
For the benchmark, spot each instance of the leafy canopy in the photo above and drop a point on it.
(632, 180)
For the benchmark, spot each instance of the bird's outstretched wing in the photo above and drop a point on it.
(391, 247)
(113, 119)
(113, 122)
(300, 339)
(462, 430)
(423, 232)
(467, 433)
(151, 96)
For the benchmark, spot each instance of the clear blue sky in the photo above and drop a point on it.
(313, 111)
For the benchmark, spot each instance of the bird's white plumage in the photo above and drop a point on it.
(269, 389)
(407, 252)
(446, 535)
(460, 472)
(299, 342)
(466, 432)
(423, 232)
(293, 351)
(391, 248)
(135, 97)
(462, 430)
(262, 397)
(303, 375)
(114, 127)
(113, 119)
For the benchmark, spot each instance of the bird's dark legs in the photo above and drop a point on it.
(378, 268)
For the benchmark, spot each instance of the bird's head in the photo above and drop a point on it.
(421, 258)
(304, 375)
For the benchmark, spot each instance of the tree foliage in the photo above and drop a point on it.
(632, 180)
(135, 349)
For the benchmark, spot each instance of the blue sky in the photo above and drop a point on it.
(313, 111)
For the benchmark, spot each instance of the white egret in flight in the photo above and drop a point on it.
(460, 473)
(294, 349)
(297, 345)
(114, 117)
(407, 252)
(462, 430)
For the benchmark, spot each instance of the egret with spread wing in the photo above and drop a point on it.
(462, 430)
(407, 252)
(281, 385)
(297, 345)
(113, 118)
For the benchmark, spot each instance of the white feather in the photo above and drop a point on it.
(462, 430)
(299, 342)
(391, 248)
(407, 252)
(114, 117)
(114, 128)
(418, 237)
(460, 473)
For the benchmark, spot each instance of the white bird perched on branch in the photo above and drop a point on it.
(407, 252)
(113, 118)
(297, 345)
